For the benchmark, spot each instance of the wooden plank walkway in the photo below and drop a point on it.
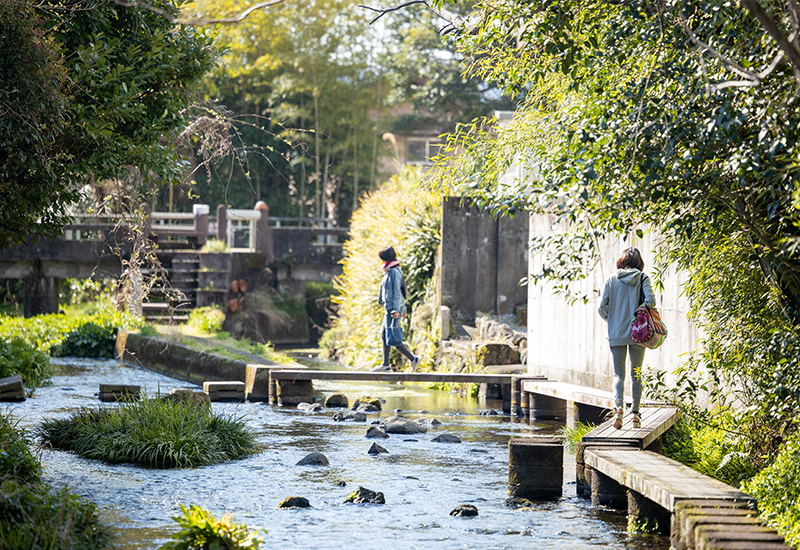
(572, 392)
(355, 375)
(655, 421)
(658, 478)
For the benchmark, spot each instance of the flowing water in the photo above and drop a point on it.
(422, 481)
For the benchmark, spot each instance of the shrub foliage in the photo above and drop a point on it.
(200, 529)
(31, 514)
(399, 214)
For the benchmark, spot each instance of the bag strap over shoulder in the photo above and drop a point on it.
(641, 289)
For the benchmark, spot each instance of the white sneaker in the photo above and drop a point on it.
(415, 363)
(381, 368)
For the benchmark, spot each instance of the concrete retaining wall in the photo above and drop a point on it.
(568, 342)
(482, 261)
(179, 361)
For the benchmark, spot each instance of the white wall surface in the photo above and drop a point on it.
(568, 342)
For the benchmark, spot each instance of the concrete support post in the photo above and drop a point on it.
(444, 320)
(257, 382)
(525, 404)
(607, 492)
(535, 468)
(273, 390)
(222, 223)
(545, 407)
(516, 396)
(646, 516)
(579, 413)
(293, 392)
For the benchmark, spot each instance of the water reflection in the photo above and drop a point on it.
(421, 480)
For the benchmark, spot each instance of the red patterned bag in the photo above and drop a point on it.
(647, 328)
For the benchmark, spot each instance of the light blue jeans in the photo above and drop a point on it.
(618, 354)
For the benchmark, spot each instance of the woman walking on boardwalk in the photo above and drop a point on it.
(620, 300)
(392, 297)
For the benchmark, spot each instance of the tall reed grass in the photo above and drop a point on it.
(153, 433)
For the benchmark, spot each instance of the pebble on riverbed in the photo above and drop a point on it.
(377, 449)
(365, 496)
(294, 502)
(446, 438)
(313, 459)
(349, 417)
(464, 510)
(376, 433)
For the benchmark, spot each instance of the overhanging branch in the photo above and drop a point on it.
(197, 22)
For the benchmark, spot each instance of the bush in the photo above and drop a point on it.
(16, 460)
(31, 516)
(214, 246)
(777, 488)
(201, 530)
(18, 357)
(154, 433)
(89, 340)
(208, 320)
(712, 450)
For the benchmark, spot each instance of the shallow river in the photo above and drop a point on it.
(422, 481)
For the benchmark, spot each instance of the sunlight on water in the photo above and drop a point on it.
(421, 480)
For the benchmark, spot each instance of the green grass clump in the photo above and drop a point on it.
(31, 514)
(153, 433)
(201, 530)
(777, 488)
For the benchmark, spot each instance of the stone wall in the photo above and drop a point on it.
(568, 342)
(178, 361)
(482, 261)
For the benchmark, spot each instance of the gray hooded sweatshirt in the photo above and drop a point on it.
(620, 300)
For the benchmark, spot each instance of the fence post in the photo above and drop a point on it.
(222, 223)
(200, 212)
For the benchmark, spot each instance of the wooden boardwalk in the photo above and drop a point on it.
(658, 478)
(355, 375)
(655, 421)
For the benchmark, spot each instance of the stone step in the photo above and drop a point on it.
(218, 386)
(12, 389)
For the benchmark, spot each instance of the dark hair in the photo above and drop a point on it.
(630, 257)
(387, 254)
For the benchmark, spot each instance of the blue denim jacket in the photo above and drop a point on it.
(391, 297)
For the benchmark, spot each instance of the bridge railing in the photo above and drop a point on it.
(301, 240)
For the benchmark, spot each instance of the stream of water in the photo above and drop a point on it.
(422, 481)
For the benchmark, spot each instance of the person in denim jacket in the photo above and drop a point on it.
(392, 298)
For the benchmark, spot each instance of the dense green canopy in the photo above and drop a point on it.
(680, 115)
